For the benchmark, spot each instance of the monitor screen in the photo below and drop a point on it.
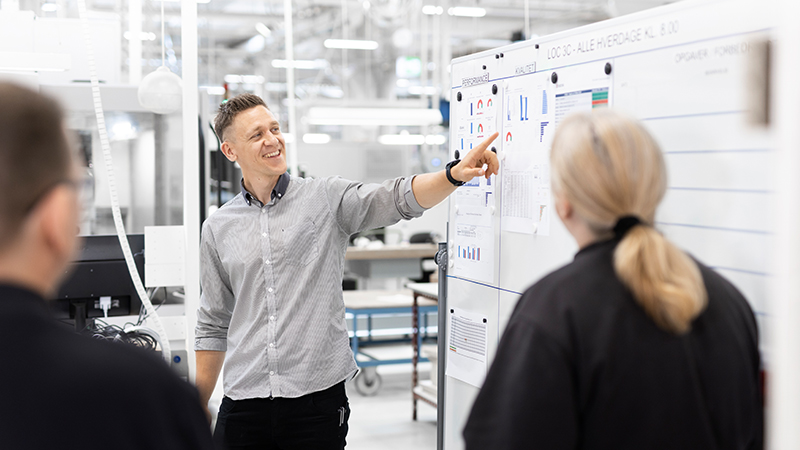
(99, 271)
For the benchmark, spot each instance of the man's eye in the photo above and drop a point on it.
(256, 135)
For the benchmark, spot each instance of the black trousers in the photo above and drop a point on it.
(317, 421)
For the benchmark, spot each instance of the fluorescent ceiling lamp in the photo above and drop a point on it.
(178, 1)
(466, 11)
(432, 10)
(214, 90)
(419, 90)
(373, 116)
(49, 7)
(263, 29)
(246, 79)
(435, 139)
(316, 138)
(34, 62)
(143, 35)
(300, 64)
(401, 139)
(352, 44)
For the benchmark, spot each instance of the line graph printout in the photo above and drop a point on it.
(467, 346)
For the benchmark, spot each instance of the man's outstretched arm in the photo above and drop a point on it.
(431, 188)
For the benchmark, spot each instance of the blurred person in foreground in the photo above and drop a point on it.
(60, 389)
(634, 344)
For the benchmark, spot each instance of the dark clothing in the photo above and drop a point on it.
(580, 366)
(66, 391)
(316, 421)
(277, 191)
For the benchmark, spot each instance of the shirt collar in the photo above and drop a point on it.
(278, 191)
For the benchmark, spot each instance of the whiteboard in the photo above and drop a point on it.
(681, 70)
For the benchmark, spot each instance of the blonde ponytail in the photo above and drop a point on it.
(664, 281)
(609, 167)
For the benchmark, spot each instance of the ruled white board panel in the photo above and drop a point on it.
(681, 70)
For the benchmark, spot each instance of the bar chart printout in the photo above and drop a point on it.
(467, 346)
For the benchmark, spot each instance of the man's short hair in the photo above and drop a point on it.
(34, 154)
(230, 109)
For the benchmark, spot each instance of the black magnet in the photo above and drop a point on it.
(484, 67)
(536, 46)
(458, 96)
(501, 55)
(608, 68)
(494, 150)
(451, 311)
(497, 56)
(494, 89)
(458, 155)
(484, 320)
(554, 78)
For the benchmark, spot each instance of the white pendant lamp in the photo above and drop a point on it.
(161, 91)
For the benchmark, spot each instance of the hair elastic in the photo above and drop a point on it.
(624, 224)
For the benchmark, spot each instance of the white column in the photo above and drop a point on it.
(783, 382)
(291, 148)
(191, 172)
(135, 43)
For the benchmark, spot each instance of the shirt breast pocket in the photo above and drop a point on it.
(300, 244)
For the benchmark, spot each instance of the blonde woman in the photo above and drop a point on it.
(633, 345)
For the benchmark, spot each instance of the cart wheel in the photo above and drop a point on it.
(368, 382)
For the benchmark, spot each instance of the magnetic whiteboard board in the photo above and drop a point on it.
(681, 70)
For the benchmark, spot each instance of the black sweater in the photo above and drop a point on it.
(59, 390)
(580, 366)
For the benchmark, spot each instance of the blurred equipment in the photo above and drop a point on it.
(99, 284)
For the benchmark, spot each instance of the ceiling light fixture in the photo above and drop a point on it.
(161, 91)
(401, 139)
(351, 44)
(432, 10)
(300, 64)
(466, 11)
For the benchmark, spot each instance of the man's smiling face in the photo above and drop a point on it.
(255, 141)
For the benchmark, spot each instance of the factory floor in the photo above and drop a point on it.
(383, 421)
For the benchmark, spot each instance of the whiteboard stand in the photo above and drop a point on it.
(441, 261)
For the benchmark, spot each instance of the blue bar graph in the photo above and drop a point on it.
(526, 108)
(544, 102)
(470, 109)
(521, 117)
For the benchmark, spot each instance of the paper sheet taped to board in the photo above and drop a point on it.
(467, 346)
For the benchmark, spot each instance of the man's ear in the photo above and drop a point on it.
(227, 150)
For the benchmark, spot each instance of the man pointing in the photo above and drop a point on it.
(272, 261)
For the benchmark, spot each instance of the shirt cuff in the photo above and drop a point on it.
(213, 344)
(411, 200)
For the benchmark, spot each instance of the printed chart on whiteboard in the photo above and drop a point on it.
(467, 346)
(473, 249)
(527, 133)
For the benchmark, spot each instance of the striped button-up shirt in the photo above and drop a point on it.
(272, 281)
